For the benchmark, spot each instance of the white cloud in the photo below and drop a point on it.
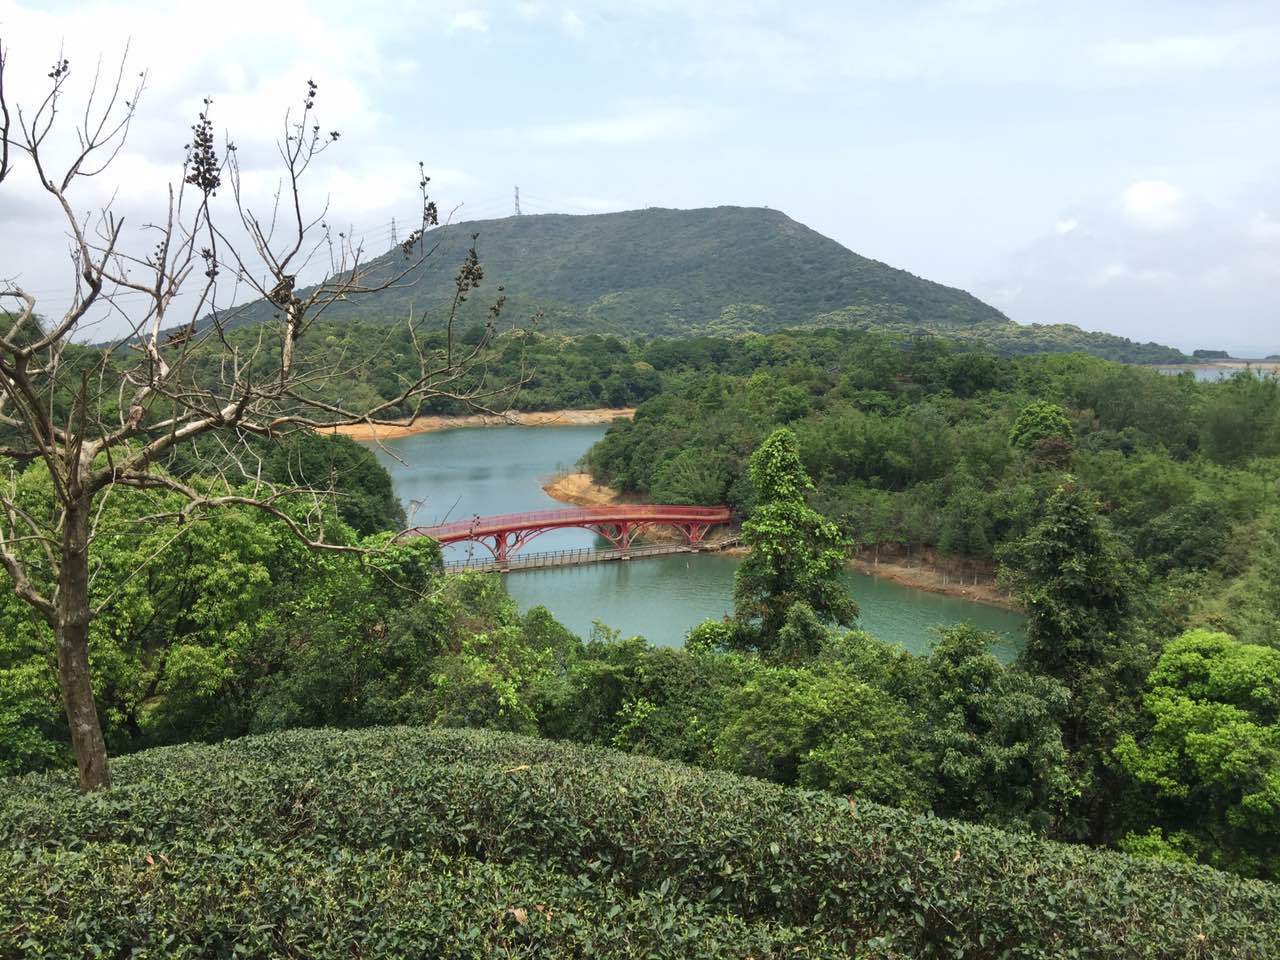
(1119, 270)
(238, 60)
(1188, 52)
(1065, 225)
(1154, 204)
(1199, 280)
(640, 125)
(474, 21)
(572, 24)
(528, 9)
(1265, 228)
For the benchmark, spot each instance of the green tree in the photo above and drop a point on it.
(1074, 581)
(1071, 575)
(1212, 756)
(824, 728)
(994, 734)
(1044, 430)
(195, 622)
(361, 486)
(796, 553)
(690, 477)
(101, 421)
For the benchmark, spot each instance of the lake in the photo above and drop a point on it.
(456, 474)
(1210, 372)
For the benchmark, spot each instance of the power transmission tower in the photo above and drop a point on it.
(517, 201)
(395, 240)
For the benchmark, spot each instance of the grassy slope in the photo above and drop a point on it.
(404, 841)
(722, 270)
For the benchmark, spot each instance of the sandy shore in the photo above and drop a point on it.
(427, 424)
(924, 578)
(580, 490)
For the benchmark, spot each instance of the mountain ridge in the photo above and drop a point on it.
(725, 270)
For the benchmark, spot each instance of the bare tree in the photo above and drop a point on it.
(104, 417)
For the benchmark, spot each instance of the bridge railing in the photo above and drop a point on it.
(603, 514)
(581, 555)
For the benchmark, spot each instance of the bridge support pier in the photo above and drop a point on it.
(619, 535)
(697, 532)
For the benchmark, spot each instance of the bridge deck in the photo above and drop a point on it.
(580, 556)
(576, 517)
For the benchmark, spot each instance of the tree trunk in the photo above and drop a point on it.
(71, 630)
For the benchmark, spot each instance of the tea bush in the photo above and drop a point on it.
(430, 842)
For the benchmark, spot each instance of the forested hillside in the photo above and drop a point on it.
(1135, 516)
(721, 271)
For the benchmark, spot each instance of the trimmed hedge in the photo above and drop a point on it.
(416, 842)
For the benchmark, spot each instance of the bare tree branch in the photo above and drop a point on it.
(108, 418)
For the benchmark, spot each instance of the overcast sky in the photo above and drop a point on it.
(1110, 164)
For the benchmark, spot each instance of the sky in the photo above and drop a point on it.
(1110, 164)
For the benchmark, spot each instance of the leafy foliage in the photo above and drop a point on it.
(191, 621)
(1070, 574)
(796, 554)
(403, 841)
(908, 442)
(996, 736)
(365, 500)
(1044, 429)
(1212, 755)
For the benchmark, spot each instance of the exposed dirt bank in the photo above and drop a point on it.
(926, 578)
(921, 578)
(580, 490)
(540, 418)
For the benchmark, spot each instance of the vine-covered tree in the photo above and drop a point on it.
(101, 419)
(1074, 581)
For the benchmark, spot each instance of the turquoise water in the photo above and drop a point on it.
(456, 474)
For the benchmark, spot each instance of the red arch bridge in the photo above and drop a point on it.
(504, 535)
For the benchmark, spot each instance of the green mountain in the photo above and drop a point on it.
(722, 270)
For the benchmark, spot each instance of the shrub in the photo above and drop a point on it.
(408, 841)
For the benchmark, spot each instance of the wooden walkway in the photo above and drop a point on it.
(583, 555)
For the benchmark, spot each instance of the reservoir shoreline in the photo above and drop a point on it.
(580, 490)
(449, 474)
(429, 423)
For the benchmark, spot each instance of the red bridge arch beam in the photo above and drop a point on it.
(506, 534)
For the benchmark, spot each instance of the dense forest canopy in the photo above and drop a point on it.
(921, 443)
(721, 271)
